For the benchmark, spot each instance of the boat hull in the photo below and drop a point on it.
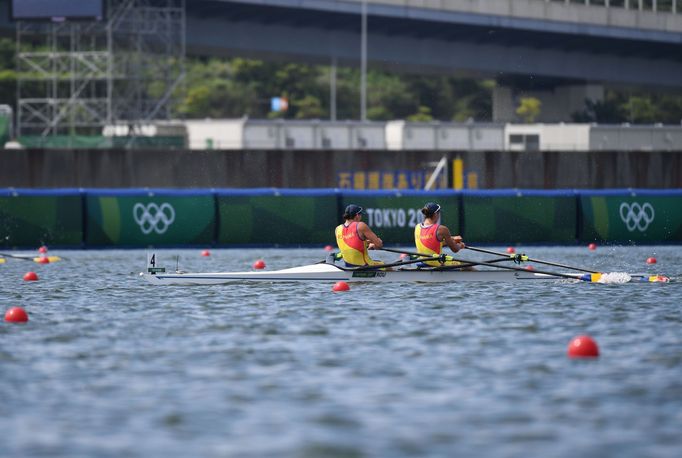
(329, 272)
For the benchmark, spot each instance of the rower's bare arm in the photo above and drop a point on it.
(454, 242)
(369, 235)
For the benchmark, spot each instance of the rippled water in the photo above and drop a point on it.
(111, 366)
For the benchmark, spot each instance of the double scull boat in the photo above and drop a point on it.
(332, 273)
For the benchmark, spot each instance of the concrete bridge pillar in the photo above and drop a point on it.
(558, 102)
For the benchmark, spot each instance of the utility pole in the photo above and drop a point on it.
(363, 64)
(332, 90)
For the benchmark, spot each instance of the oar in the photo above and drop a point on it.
(526, 258)
(520, 269)
(27, 257)
(30, 257)
(411, 253)
(463, 265)
(393, 264)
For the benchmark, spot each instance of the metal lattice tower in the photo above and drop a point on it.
(75, 78)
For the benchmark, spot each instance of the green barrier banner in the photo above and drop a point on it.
(627, 218)
(393, 217)
(150, 219)
(32, 221)
(516, 218)
(274, 219)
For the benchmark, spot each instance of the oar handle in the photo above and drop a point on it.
(411, 253)
(481, 250)
(393, 264)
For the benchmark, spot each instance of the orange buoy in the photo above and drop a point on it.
(42, 249)
(592, 246)
(583, 347)
(16, 315)
(43, 260)
(328, 248)
(205, 253)
(340, 286)
(511, 250)
(530, 268)
(260, 264)
(651, 260)
(30, 276)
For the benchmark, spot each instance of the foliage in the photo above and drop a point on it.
(422, 115)
(307, 87)
(8, 76)
(636, 108)
(529, 108)
(236, 87)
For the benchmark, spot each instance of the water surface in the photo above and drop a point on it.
(111, 366)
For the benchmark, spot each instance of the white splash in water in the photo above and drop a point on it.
(615, 277)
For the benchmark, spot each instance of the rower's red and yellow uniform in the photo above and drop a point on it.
(352, 247)
(426, 241)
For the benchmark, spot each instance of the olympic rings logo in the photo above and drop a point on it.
(153, 217)
(636, 216)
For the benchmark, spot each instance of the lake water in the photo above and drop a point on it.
(110, 366)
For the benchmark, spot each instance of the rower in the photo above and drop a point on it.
(430, 237)
(354, 238)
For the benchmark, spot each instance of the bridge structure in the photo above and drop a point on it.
(559, 51)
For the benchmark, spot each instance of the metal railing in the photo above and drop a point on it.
(663, 6)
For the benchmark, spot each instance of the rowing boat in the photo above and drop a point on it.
(402, 271)
(333, 273)
(330, 272)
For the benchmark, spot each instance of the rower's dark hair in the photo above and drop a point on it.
(351, 211)
(430, 209)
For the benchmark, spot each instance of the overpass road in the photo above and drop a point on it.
(553, 39)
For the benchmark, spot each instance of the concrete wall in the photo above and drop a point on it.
(311, 169)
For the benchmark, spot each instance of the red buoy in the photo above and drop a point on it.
(592, 246)
(511, 250)
(16, 315)
(583, 347)
(30, 276)
(530, 268)
(260, 264)
(42, 249)
(651, 260)
(340, 286)
(43, 260)
(328, 248)
(205, 253)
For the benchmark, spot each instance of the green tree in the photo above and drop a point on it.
(309, 107)
(423, 114)
(529, 109)
(642, 110)
(8, 74)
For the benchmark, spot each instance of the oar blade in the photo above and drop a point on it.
(39, 259)
(623, 277)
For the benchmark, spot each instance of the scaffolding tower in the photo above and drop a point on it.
(77, 77)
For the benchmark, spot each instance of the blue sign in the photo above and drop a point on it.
(279, 104)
